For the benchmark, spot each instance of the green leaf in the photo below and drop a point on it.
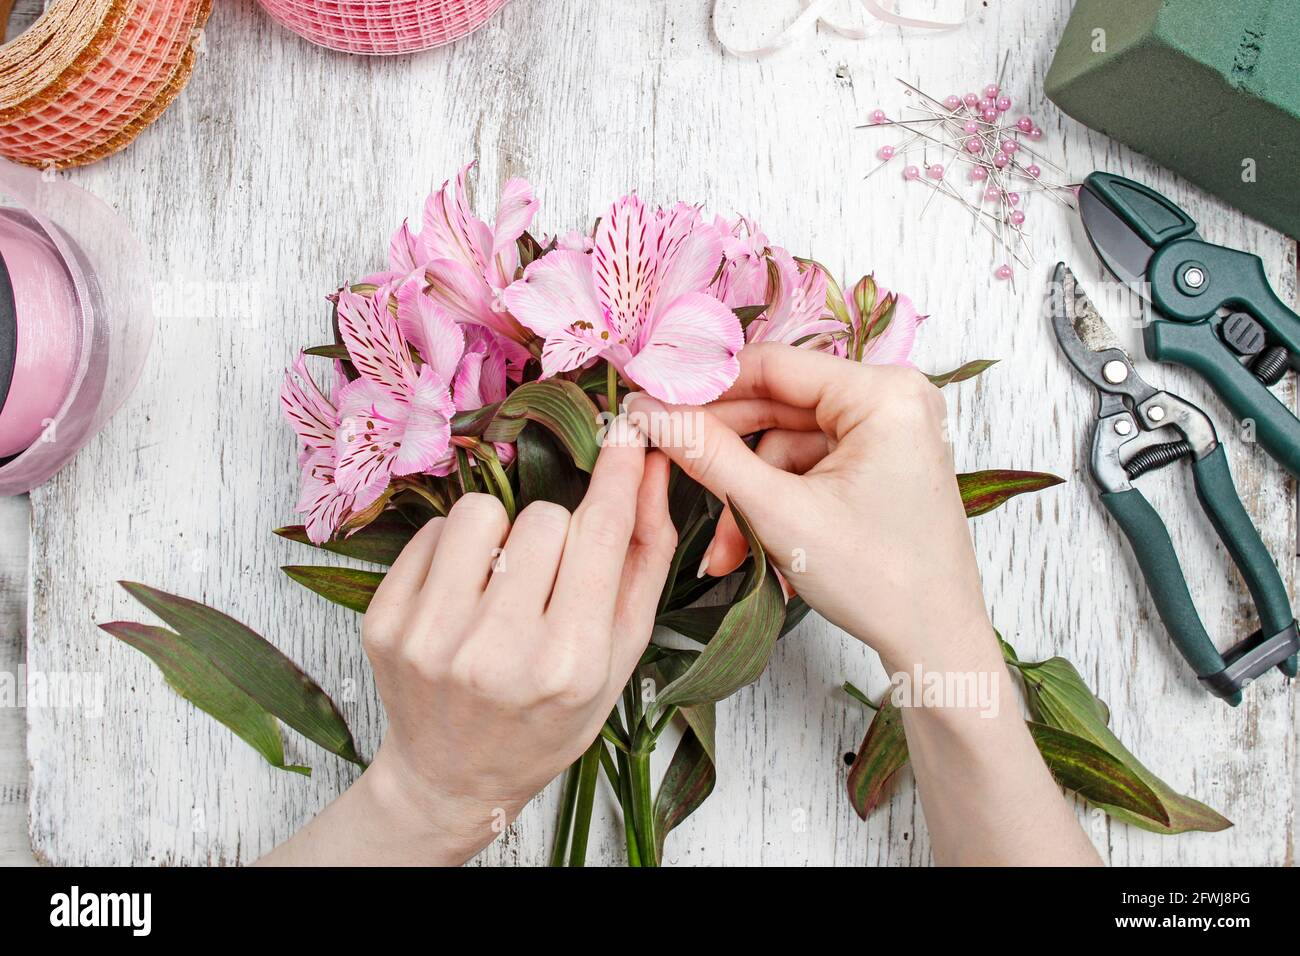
(348, 587)
(202, 684)
(962, 373)
(739, 650)
(796, 609)
(253, 665)
(697, 623)
(1082, 766)
(557, 404)
(701, 718)
(545, 472)
(982, 491)
(882, 754)
(379, 542)
(748, 313)
(330, 351)
(686, 784)
(1058, 697)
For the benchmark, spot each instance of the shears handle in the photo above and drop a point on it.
(1188, 334)
(1275, 644)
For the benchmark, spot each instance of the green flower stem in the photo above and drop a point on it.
(609, 733)
(662, 723)
(625, 801)
(568, 800)
(611, 387)
(611, 771)
(487, 456)
(643, 806)
(588, 768)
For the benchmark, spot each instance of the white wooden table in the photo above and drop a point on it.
(283, 168)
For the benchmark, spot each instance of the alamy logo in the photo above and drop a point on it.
(102, 909)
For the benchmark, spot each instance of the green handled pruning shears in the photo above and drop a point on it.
(1135, 434)
(1214, 309)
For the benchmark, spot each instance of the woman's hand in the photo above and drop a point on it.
(851, 489)
(499, 652)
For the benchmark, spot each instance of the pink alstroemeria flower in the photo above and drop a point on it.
(468, 264)
(755, 272)
(882, 328)
(638, 300)
(471, 355)
(315, 419)
(395, 419)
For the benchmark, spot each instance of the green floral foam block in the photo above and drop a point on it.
(1209, 88)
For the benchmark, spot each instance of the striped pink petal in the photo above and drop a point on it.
(623, 263)
(689, 355)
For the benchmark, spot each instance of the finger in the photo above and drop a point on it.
(744, 416)
(397, 593)
(793, 452)
(710, 453)
(586, 586)
(471, 539)
(839, 391)
(524, 573)
(649, 556)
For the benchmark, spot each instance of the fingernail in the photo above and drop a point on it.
(704, 565)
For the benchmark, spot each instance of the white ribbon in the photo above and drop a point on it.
(814, 12)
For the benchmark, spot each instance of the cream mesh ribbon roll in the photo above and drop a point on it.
(89, 75)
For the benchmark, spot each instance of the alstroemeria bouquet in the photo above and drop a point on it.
(482, 359)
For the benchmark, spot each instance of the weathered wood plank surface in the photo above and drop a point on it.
(282, 169)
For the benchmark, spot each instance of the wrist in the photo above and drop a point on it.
(441, 829)
(971, 645)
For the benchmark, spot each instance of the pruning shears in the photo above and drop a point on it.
(1139, 429)
(1213, 308)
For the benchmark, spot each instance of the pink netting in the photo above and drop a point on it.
(103, 110)
(382, 26)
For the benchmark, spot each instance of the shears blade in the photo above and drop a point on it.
(1087, 341)
(1119, 248)
(1126, 222)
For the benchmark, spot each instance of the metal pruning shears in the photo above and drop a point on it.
(1139, 429)
(1214, 309)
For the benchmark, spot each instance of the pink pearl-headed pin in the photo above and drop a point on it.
(992, 194)
(1036, 133)
(1033, 170)
(1000, 159)
(1013, 198)
(1003, 104)
(1017, 218)
(1009, 146)
(989, 115)
(971, 99)
(878, 116)
(974, 145)
(1003, 272)
(970, 126)
(991, 91)
(978, 174)
(911, 172)
(934, 171)
(885, 152)
(952, 101)
(1025, 124)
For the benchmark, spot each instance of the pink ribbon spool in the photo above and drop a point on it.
(68, 252)
(40, 308)
(382, 27)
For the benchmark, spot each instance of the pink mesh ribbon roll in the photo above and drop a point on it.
(382, 27)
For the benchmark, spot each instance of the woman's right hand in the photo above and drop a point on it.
(851, 490)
